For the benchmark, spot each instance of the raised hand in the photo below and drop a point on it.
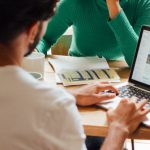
(113, 7)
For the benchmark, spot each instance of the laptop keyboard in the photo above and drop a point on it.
(130, 91)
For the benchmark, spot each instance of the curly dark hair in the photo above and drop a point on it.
(18, 15)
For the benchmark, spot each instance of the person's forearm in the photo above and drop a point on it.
(114, 8)
(125, 35)
(123, 31)
(115, 139)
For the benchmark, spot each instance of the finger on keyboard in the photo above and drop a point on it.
(133, 99)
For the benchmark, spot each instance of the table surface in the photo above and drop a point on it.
(94, 118)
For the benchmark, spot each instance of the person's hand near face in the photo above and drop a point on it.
(93, 93)
(114, 8)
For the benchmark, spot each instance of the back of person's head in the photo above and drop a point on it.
(18, 15)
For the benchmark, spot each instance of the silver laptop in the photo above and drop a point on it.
(138, 84)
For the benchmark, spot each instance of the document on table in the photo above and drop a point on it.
(88, 76)
(81, 70)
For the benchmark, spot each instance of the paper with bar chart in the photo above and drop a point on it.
(82, 70)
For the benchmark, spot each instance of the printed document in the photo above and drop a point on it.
(82, 70)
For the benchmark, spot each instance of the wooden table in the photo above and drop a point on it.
(94, 118)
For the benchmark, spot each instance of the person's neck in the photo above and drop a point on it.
(8, 56)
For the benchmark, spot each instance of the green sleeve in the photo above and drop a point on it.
(57, 25)
(126, 34)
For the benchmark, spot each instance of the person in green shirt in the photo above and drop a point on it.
(108, 28)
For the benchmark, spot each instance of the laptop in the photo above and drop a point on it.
(138, 84)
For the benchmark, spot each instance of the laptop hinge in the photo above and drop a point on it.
(140, 87)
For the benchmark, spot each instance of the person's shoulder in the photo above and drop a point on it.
(140, 2)
(66, 6)
(72, 6)
(67, 2)
(40, 91)
(141, 5)
(52, 96)
(74, 2)
(70, 1)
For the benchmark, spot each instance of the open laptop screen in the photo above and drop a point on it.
(141, 67)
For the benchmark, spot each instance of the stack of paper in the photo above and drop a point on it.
(82, 70)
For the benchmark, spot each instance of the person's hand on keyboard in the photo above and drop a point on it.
(128, 115)
(123, 121)
(93, 93)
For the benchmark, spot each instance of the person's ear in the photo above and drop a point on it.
(32, 32)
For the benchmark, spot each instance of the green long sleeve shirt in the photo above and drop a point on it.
(93, 33)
